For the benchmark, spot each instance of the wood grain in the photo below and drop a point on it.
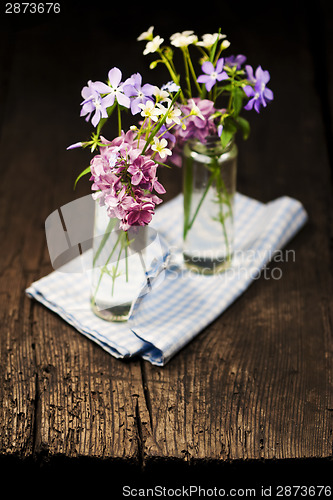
(254, 386)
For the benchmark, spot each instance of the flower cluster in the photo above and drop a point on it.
(124, 172)
(124, 181)
(222, 88)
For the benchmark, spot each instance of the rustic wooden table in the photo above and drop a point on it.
(253, 392)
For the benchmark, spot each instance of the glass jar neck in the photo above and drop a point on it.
(212, 146)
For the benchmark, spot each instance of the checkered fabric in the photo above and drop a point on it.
(180, 304)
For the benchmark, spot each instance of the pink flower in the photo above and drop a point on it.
(140, 213)
(118, 204)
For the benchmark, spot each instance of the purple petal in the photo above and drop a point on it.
(96, 118)
(249, 105)
(76, 145)
(210, 83)
(222, 76)
(159, 188)
(101, 87)
(114, 77)
(208, 67)
(219, 65)
(108, 100)
(257, 105)
(148, 89)
(268, 94)
(203, 78)
(123, 100)
(130, 90)
(249, 71)
(249, 91)
(135, 105)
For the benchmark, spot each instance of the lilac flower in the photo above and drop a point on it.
(140, 213)
(114, 90)
(140, 94)
(212, 74)
(93, 102)
(198, 122)
(237, 61)
(259, 94)
(118, 204)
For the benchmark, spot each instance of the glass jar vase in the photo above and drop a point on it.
(209, 187)
(119, 268)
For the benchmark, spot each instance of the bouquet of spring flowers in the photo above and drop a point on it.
(124, 172)
(212, 96)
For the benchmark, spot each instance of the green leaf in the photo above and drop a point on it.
(243, 126)
(238, 96)
(229, 129)
(86, 171)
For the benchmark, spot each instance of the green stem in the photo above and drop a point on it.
(119, 120)
(194, 76)
(126, 256)
(104, 269)
(221, 188)
(114, 274)
(173, 74)
(189, 226)
(109, 228)
(187, 74)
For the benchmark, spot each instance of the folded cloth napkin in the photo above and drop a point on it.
(180, 303)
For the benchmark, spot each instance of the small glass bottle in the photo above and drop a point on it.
(209, 186)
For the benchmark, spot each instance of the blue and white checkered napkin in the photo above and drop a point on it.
(182, 303)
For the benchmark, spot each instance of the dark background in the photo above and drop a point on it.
(59, 53)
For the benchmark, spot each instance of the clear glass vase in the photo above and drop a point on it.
(119, 267)
(209, 186)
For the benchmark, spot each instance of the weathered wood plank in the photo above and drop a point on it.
(18, 259)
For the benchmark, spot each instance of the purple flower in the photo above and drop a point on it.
(114, 90)
(198, 123)
(212, 74)
(235, 61)
(118, 204)
(140, 213)
(93, 102)
(139, 94)
(259, 94)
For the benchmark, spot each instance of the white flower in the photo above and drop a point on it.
(159, 147)
(162, 107)
(173, 115)
(183, 39)
(146, 35)
(149, 110)
(161, 95)
(195, 111)
(153, 45)
(225, 44)
(208, 40)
